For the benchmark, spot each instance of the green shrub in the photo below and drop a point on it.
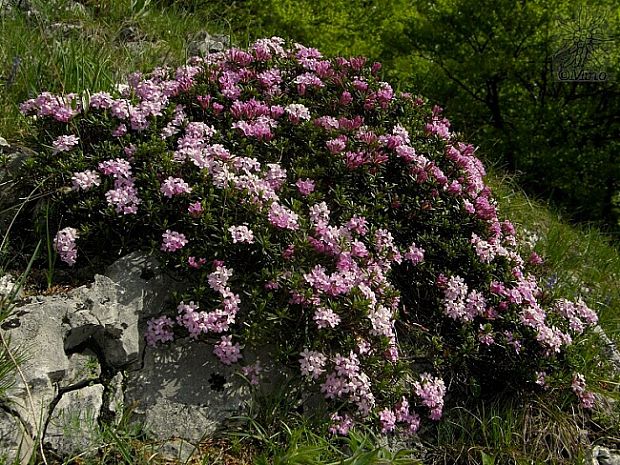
(310, 209)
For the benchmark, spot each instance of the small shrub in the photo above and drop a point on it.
(312, 210)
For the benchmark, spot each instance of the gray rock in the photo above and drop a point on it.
(87, 364)
(131, 33)
(609, 348)
(73, 426)
(204, 43)
(17, 445)
(183, 391)
(39, 337)
(177, 450)
(82, 366)
(114, 399)
(7, 6)
(70, 339)
(65, 29)
(605, 456)
(104, 315)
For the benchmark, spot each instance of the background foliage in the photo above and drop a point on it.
(490, 64)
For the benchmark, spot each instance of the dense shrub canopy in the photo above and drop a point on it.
(309, 207)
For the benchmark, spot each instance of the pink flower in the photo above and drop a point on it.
(312, 363)
(414, 254)
(130, 151)
(541, 379)
(297, 112)
(347, 367)
(118, 168)
(195, 210)
(84, 180)
(241, 234)
(173, 241)
(381, 320)
(319, 213)
(159, 330)
(387, 419)
(326, 317)
(101, 100)
(275, 176)
(174, 186)
(305, 186)
(252, 372)
(289, 252)
(219, 278)
(226, 351)
(124, 196)
(535, 259)
(196, 264)
(578, 386)
(282, 217)
(64, 244)
(340, 424)
(345, 98)
(119, 131)
(431, 392)
(336, 145)
(65, 143)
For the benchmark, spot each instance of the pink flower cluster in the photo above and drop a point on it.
(226, 351)
(241, 234)
(159, 330)
(431, 392)
(252, 372)
(124, 196)
(61, 109)
(220, 319)
(312, 363)
(85, 180)
(64, 244)
(297, 112)
(459, 303)
(586, 398)
(326, 318)
(65, 143)
(340, 424)
(282, 217)
(173, 241)
(305, 186)
(174, 186)
(334, 270)
(347, 381)
(578, 314)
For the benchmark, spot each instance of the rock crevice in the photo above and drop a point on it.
(87, 362)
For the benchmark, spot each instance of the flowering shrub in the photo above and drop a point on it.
(308, 206)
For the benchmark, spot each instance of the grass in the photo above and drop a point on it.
(61, 47)
(581, 259)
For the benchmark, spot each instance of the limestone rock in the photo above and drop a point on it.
(204, 43)
(183, 391)
(177, 450)
(87, 364)
(605, 456)
(17, 445)
(73, 426)
(609, 348)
